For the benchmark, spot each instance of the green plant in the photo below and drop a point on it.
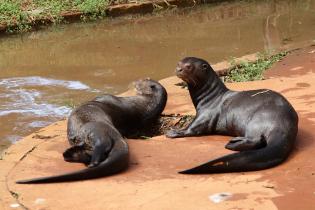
(145, 137)
(91, 6)
(249, 71)
(70, 103)
(10, 12)
(21, 15)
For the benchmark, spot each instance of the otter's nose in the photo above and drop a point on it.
(178, 69)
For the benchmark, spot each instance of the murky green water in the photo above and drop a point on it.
(42, 72)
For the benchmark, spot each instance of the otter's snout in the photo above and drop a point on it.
(178, 70)
(183, 68)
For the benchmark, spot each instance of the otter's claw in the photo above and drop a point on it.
(174, 134)
(94, 164)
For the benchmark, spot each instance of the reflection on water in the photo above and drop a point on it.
(42, 71)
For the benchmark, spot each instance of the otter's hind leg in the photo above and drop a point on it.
(241, 143)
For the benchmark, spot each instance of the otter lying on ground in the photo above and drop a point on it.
(263, 121)
(96, 129)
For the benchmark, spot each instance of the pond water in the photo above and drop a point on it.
(43, 73)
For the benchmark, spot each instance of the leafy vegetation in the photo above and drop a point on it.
(70, 103)
(10, 12)
(91, 6)
(249, 71)
(21, 14)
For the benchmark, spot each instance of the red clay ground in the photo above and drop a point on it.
(151, 182)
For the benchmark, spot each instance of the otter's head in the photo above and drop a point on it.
(194, 71)
(147, 87)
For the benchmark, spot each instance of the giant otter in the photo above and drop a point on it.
(95, 131)
(263, 121)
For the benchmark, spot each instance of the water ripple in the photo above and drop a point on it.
(41, 81)
(18, 99)
(32, 102)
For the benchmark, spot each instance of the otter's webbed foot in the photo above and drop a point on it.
(94, 164)
(100, 152)
(77, 154)
(181, 133)
(243, 143)
(175, 133)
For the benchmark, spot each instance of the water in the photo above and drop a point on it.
(43, 72)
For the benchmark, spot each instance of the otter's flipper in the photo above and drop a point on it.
(116, 161)
(244, 143)
(77, 154)
(251, 160)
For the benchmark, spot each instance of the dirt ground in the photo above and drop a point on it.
(152, 181)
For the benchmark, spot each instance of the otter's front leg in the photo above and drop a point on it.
(199, 126)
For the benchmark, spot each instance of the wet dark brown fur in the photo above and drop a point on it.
(263, 121)
(96, 129)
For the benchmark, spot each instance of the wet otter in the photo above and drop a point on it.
(263, 121)
(96, 128)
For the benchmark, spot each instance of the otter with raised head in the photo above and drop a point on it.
(96, 128)
(264, 122)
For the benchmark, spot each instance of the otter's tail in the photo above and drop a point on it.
(251, 160)
(116, 161)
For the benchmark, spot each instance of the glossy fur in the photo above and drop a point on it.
(96, 129)
(263, 122)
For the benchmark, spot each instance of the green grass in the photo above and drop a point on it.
(91, 6)
(10, 12)
(250, 71)
(70, 103)
(21, 14)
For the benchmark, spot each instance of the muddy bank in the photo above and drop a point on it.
(36, 16)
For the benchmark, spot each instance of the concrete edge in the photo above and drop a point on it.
(10, 158)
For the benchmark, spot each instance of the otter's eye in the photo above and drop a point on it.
(188, 66)
(204, 66)
(152, 86)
